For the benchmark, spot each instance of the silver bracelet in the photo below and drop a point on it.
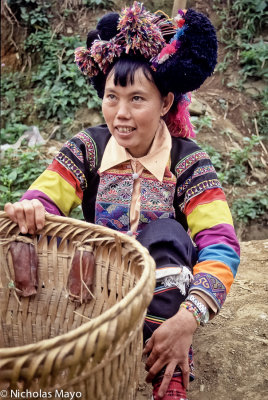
(201, 307)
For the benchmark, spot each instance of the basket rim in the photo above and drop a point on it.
(107, 315)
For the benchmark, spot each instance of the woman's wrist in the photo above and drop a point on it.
(199, 308)
(186, 321)
(193, 310)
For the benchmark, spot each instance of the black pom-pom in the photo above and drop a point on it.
(195, 59)
(98, 82)
(106, 29)
(91, 36)
(107, 26)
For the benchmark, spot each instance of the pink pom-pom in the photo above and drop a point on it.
(85, 62)
(179, 123)
(179, 19)
(166, 52)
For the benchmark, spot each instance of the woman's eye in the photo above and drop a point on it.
(110, 96)
(137, 98)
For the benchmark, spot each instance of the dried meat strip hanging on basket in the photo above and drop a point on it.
(81, 275)
(25, 264)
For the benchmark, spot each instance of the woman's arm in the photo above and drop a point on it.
(58, 189)
(202, 200)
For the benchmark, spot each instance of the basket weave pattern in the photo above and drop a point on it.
(49, 341)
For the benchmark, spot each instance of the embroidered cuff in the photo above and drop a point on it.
(211, 286)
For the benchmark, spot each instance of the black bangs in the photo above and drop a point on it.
(125, 68)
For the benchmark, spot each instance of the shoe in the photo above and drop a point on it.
(175, 391)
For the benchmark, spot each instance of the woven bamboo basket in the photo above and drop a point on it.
(51, 344)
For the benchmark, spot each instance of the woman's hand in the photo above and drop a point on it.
(169, 346)
(28, 214)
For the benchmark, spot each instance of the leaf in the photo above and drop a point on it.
(13, 175)
(18, 193)
(80, 82)
(261, 6)
(81, 100)
(4, 188)
(69, 52)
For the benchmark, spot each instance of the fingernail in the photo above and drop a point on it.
(39, 226)
(23, 229)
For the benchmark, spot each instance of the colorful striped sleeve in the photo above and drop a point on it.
(210, 223)
(61, 186)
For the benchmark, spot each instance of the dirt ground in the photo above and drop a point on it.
(231, 352)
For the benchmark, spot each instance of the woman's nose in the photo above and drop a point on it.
(123, 111)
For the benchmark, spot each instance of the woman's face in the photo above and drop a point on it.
(133, 112)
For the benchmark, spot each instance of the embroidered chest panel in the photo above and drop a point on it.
(157, 195)
(115, 194)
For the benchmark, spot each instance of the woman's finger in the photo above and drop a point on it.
(151, 360)
(185, 370)
(39, 213)
(29, 213)
(148, 347)
(9, 209)
(20, 217)
(166, 380)
(155, 368)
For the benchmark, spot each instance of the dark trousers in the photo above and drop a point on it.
(170, 246)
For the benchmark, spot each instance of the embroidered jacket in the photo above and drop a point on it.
(190, 192)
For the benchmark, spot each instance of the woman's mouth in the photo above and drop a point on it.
(124, 130)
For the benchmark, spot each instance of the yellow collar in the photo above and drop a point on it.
(155, 161)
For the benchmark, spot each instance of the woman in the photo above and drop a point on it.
(142, 175)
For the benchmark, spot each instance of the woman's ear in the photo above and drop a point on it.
(167, 103)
